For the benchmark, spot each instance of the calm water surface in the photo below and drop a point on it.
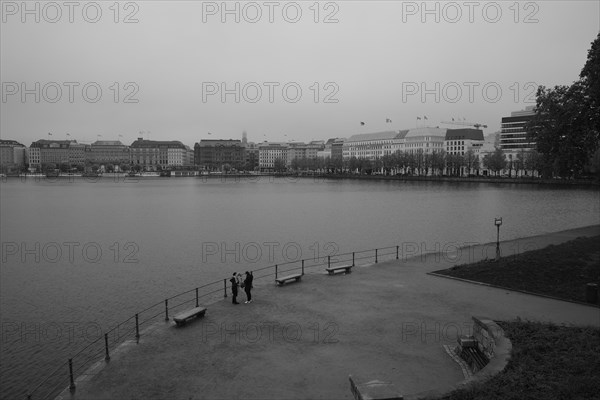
(79, 256)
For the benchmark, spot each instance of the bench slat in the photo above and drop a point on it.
(183, 316)
(283, 279)
(347, 268)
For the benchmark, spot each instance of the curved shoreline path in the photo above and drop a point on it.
(386, 321)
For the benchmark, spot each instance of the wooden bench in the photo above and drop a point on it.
(182, 318)
(284, 279)
(332, 270)
(374, 390)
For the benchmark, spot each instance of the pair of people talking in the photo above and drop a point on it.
(237, 280)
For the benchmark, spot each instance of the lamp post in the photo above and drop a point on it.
(498, 222)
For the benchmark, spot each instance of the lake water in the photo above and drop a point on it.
(79, 256)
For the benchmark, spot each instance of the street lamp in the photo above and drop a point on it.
(498, 222)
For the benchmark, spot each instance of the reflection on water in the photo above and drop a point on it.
(79, 256)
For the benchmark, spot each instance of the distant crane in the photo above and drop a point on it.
(465, 123)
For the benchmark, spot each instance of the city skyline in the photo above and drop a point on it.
(176, 61)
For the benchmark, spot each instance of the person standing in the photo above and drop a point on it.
(248, 286)
(234, 288)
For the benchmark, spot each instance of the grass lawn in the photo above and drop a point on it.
(547, 362)
(561, 271)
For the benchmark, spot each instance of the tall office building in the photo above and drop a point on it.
(513, 136)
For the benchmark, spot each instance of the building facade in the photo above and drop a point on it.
(155, 155)
(33, 158)
(104, 152)
(513, 135)
(426, 140)
(372, 145)
(460, 141)
(12, 156)
(216, 155)
(299, 151)
(251, 155)
(269, 153)
(337, 150)
(59, 152)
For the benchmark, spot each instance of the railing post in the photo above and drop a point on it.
(196, 297)
(397, 247)
(225, 287)
(72, 381)
(275, 271)
(166, 309)
(137, 327)
(107, 357)
(353, 259)
(375, 256)
(328, 261)
(302, 267)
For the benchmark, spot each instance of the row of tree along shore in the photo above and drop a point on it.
(472, 179)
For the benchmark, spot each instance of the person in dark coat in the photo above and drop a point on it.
(248, 286)
(234, 288)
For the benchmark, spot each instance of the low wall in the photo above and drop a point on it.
(491, 342)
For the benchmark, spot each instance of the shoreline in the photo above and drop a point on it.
(323, 177)
(479, 179)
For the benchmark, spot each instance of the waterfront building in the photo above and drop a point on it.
(215, 155)
(299, 150)
(154, 155)
(269, 152)
(60, 152)
(103, 152)
(251, 156)
(513, 135)
(324, 153)
(373, 145)
(33, 158)
(188, 157)
(12, 155)
(460, 141)
(426, 140)
(337, 149)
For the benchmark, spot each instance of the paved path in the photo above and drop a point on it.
(386, 321)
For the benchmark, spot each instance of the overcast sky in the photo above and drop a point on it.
(371, 61)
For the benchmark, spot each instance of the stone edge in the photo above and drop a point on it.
(436, 273)
(503, 347)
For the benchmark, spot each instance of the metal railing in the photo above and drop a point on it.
(92, 353)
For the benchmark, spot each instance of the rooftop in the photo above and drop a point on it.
(107, 143)
(219, 142)
(143, 143)
(426, 131)
(376, 136)
(7, 142)
(465, 134)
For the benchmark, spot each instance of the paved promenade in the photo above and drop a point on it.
(386, 321)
